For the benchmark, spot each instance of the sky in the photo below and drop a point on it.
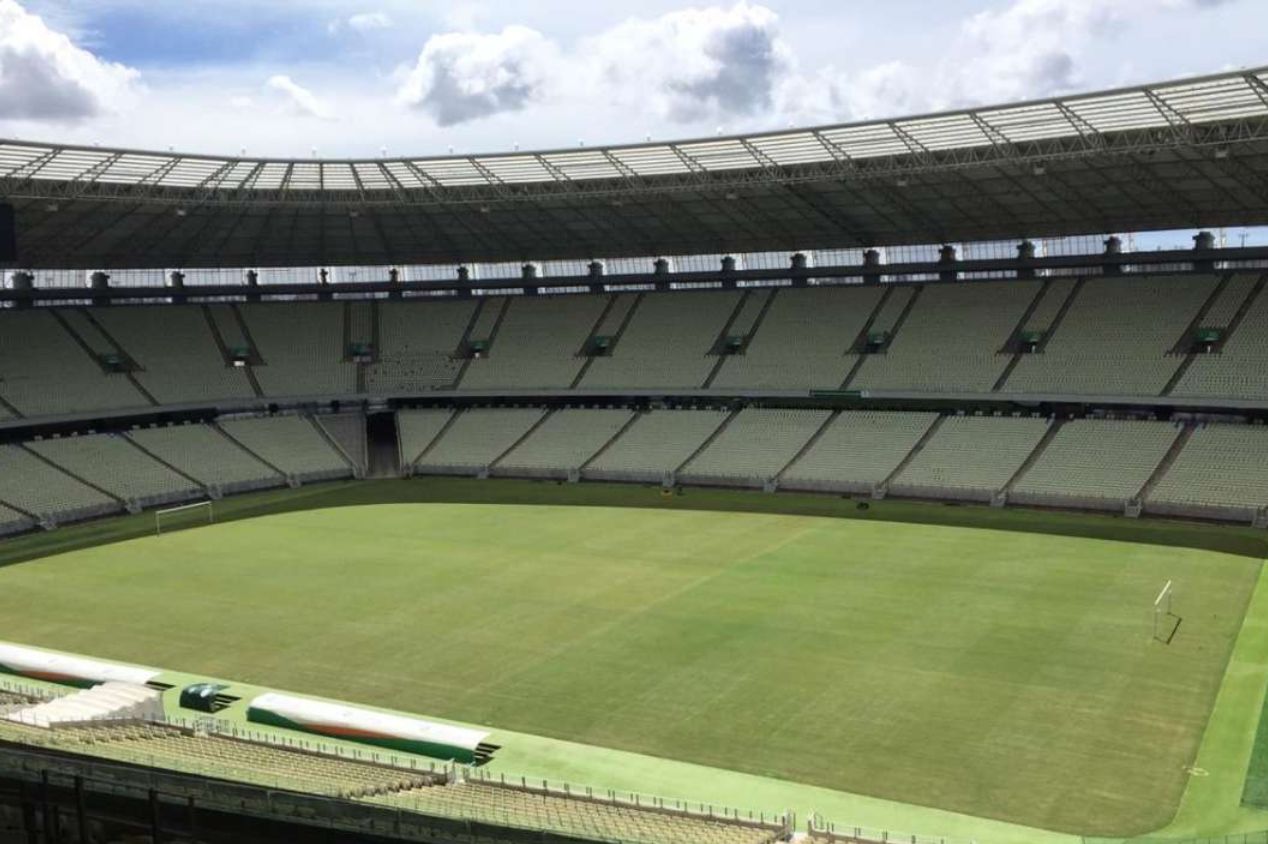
(344, 78)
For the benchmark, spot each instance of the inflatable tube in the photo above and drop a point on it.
(76, 671)
(366, 726)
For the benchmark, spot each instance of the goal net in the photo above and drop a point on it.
(188, 515)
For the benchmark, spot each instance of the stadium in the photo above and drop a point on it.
(847, 484)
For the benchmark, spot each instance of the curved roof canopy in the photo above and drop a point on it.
(1192, 152)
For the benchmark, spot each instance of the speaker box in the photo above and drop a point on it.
(8, 235)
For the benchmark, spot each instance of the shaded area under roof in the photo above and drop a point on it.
(1189, 153)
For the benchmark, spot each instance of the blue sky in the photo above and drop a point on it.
(355, 78)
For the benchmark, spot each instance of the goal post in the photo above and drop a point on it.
(1165, 620)
(186, 515)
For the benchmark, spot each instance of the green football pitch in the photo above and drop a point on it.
(1000, 674)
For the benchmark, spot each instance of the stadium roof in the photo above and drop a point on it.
(1179, 154)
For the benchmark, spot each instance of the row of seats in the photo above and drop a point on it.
(1219, 470)
(1099, 336)
(580, 818)
(274, 766)
(1094, 463)
(57, 480)
(221, 757)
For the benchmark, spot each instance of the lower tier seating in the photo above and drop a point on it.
(1222, 470)
(585, 819)
(291, 444)
(754, 447)
(562, 444)
(208, 456)
(34, 486)
(113, 463)
(477, 438)
(1095, 463)
(417, 429)
(655, 445)
(970, 457)
(858, 451)
(347, 432)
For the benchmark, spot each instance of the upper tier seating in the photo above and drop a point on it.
(804, 341)
(32, 485)
(1240, 369)
(44, 372)
(207, 455)
(173, 345)
(1222, 469)
(951, 339)
(1116, 338)
(291, 444)
(1104, 336)
(302, 347)
(477, 437)
(754, 447)
(563, 442)
(1095, 463)
(858, 451)
(115, 464)
(656, 445)
(970, 457)
(416, 429)
(418, 342)
(666, 343)
(538, 344)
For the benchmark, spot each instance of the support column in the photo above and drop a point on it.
(1113, 248)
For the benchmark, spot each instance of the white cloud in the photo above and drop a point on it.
(692, 64)
(298, 99)
(462, 76)
(361, 22)
(366, 21)
(45, 76)
(1023, 49)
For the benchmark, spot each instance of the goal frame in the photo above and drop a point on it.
(1165, 621)
(184, 508)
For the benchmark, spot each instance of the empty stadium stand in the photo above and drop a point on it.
(419, 346)
(37, 351)
(666, 343)
(300, 344)
(1116, 338)
(204, 453)
(115, 465)
(969, 457)
(418, 429)
(806, 340)
(1222, 471)
(1096, 464)
(292, 445)
(176, 353)
(1239, 366)
(36, 487)
(563, 443)
(655, 445)
(952, 339)
(589, 819)
(539, 344)
(754, 447)
(346, 432)
(858, 452)
(476, 438)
